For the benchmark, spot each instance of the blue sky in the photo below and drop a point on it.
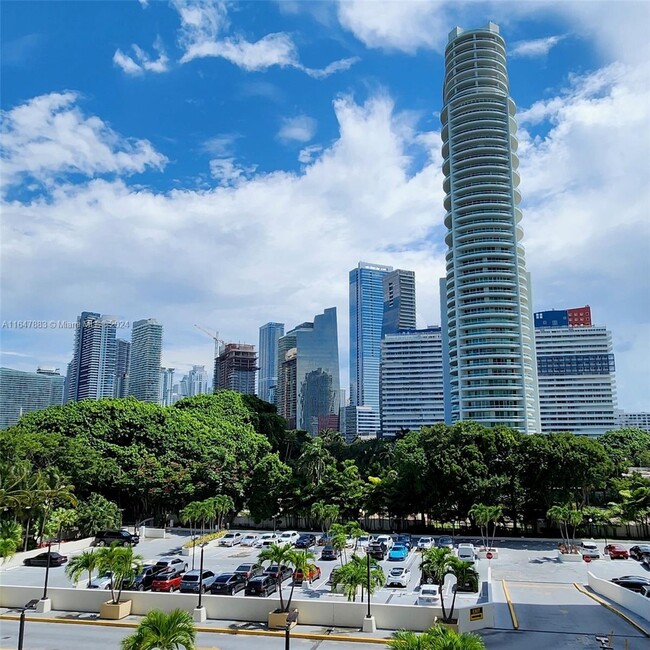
(227, 164)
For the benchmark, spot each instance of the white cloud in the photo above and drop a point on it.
(308, 154)
(535, 47)
(228, 173)
(297, 129)
(144, 3)
(49, 136)
(142, 63)
(202, 34)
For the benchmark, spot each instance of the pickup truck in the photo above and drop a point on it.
(377, 550)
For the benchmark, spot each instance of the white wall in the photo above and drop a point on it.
(66, 547)
(636, 603)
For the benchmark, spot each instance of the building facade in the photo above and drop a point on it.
(399, 301)
(640, 420)
(485, 297)
(412, 391)
(91, 373)
(23, 392)
(366, 322)
(308, 374)
(267, 377)
(576, 374)
(195, 382)
(166, 397)
(235, 368)
(146, 354)
(122, 364)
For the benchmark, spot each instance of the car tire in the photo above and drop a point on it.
(232, 591)
(100, 543)
(265, 593)
(140, 587)
(125, 544)
(185, 569)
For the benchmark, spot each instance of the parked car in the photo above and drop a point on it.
(167, 580)
(173, 563)
(399, 553)
(616, 551)
(645, 591)
(231, 539)
(399, 576)
(633, 583)
(329, 553)
(289, 537)
(467, 553)
(191, 582)
(324, 539)
(249, 539)
(378, 550)
(445, 542)
(589, 549)
(249, 570)
(306, 540)
(56, 559)
(144, 579)
(363, 541)
(387, 540)
(119, 537)
(645, 559)
(636, 552)
(429, 595)
(406, 539)
(266, 539)
(261, 586)
(425, 543)
(228, 583)
(283, 571)
(333, 573)
(313, 573)
(102, 581)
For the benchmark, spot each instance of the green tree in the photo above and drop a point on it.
(161, 631)
(269, 484)
(122, 564)
(436, 638)
(300, 560)
(339, 540)
(314, 460)
(484, 515)
(85, 561)
(97, 513)
(325, 514)
(280, 555)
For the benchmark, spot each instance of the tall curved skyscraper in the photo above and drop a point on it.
(485, 298)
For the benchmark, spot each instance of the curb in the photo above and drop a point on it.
(613, 609)
(513, 616)
(214, 630)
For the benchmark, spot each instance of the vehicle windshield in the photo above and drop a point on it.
(188, 578)
(396, 572)
(224, 578)
(244, 567)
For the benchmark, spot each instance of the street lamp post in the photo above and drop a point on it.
(21, 626)
(194, 538)
(199, 612)
(47, 568)
(591, 528)
(369, 624)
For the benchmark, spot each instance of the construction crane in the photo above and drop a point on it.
(214, 336)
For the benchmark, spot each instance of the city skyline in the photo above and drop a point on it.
(280, 172)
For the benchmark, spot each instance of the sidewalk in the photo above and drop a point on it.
(215, 626)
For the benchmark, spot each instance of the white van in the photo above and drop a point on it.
(467, 552)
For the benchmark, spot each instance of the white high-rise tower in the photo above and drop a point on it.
(485, 298)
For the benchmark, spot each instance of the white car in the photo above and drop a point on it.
(265, 540)
(230, 539)
(171, 563)
(398, 576)
(425, 543)
(387, 540)
(101, 582)
(363, 541)
(467, 552)
(429, 595)
(589, 549)
(289, 537)
(249, 539)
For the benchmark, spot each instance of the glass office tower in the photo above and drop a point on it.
(486, 298)
(146, 354)
(267, 378)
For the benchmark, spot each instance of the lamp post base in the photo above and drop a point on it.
(199, 615)
(43, 606)
(369, 624)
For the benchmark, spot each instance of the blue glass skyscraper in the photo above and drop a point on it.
(267, 378)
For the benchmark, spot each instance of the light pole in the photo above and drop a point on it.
(199, 611)
(21, 628)
(591, 528)
(292, 617)
(369, 624)
(194, 538)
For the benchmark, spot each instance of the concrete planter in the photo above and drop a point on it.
(278, 620)
(115, 612)
(570, 557)
(451, 626)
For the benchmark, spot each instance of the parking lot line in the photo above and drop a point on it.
(611, 608)
(513, 616)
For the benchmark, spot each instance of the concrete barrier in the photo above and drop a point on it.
(330, 612)
(152, 533)
(630, 600)
(66, 549)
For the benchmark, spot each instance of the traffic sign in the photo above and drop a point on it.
(586, 558)
(489, 555)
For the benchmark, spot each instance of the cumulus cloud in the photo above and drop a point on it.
(535, 47)
(297, 129)
(308, 154)
(49, 137)
(228, 172)
(141, 62)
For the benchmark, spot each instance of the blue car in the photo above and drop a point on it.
(399, 552)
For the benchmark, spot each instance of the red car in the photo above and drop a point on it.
(313, 573)
(167, 581)
(617, 551)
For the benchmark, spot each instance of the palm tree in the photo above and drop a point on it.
(301, 561)
(407, 640)
(324, 514)
(161, 631)
(87, 561)
(465, 573)
(436, 638)
(276, 554)
(339, 541)
(54, 488)
(123, 565)
(435, 565)
(483, 516)
(314, 460)
(350, 576)
(377, 576)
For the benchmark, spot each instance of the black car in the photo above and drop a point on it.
(377, 550)
(306, 541)
(249, 570)
(56, 559)
(284, 572)
(145, 578)
(329, 553)
(633, 583)
(261, 586)
(228, 583)
(637, 552)
(119, 537)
